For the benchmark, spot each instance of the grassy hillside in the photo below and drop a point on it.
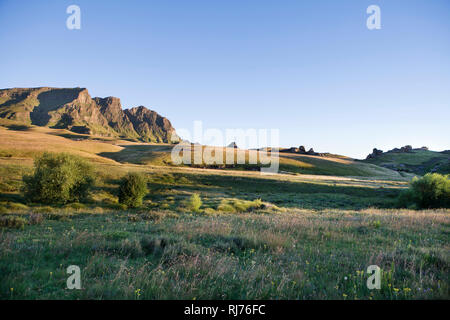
(417, 161)
(333, 166)
(113, 158)
(289, 163)
(27, 141)
(18, 141)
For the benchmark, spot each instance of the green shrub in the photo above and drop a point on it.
(194, 203)
(238, 205)
(132, 190)
(226, 206)
(13, 222)
(430, 191)
(58, 178)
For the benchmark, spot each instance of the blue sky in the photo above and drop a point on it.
(309, 68)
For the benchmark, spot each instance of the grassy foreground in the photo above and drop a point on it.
(294, 235)
(300, 254)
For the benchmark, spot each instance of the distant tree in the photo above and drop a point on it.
(430, 191)
(132, 189)
(58, 178)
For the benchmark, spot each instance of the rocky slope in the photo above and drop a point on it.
(75, 110)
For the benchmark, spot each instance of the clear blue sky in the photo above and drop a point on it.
(309, 68)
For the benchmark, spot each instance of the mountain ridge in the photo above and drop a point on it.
(74, 109)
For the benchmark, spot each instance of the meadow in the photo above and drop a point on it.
(306, 233)
(299, 254)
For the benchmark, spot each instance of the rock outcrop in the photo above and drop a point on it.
(302, 150)
(311, 152)
(374, 154)
(75, 110)
(406, 149)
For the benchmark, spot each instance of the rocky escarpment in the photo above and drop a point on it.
(75, 110)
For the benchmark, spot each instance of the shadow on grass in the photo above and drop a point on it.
(72, 136)
(19, 127)
(137, 154)
(282, 193)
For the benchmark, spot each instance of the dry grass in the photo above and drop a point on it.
(27, 144)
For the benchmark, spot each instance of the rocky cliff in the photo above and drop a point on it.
(75, 110)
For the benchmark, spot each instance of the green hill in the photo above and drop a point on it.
(157, 154)
(417, 161)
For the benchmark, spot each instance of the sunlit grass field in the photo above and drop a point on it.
(294, 235)
(299, 254)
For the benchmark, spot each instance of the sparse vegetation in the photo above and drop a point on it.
(58, 178)
(133, 189)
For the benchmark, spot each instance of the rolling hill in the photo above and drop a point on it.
(416, 161)
(25, 142)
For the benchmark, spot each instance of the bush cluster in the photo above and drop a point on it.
(132, 190)
(13, 222)
(58, 178)
(430, 191)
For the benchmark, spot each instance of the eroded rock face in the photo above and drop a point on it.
(150, 126)
(74, 109)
